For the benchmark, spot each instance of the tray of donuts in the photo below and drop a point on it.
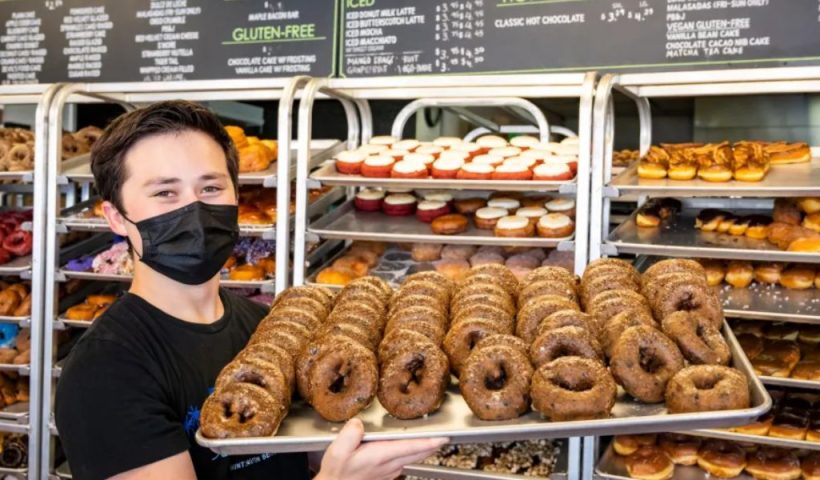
(527, 362)
(16, 153)
(16, 240)
(404, 218)
(782, 353)
(680, 456)
(15, 302)
(448, 162)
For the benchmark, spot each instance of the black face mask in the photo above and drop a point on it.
(189, 244)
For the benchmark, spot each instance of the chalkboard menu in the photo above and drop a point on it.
(407, 37)
(43, 41)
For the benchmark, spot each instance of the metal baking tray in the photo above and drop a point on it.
(78, 169)
(19, 473)
(23, 369)
(757, 439)
(22, 322)
(16, 266)
(611, 466)
(327, 175)
(348, 224)
(304, 430)
(680, 238)
(781, 181)
(18, 411)
(771, 302)
(393, 266)
(62, 322)
(24, 176)
(790, 382)
(560, 470)
(14, 427)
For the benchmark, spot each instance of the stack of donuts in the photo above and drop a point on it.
(253, 154)
(14, 241)
(16, 149)
(414, 371)
(79, 142)
(741, 273)
(93, 307)
(252, 393)
(338, 371)
(15, 299)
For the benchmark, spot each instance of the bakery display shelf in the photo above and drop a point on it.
(17, 412)
(327, 175)
(756, 439)
(24, 176)
(78, 169)
(14, 427)
(22, 369)
(304, 430)
(22, 322)
(265, 285)
(612, 466)
(794, 180)
(771, 302)
(790, 382)
(18, 473)
(16, 266)
(394, 265)
(439, 472)
(62, 323)
(678, 237)
(348, 224)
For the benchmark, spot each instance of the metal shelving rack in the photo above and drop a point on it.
(449, 92)
(65, 178)
(679, 239)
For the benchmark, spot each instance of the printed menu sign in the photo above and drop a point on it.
(405, 37)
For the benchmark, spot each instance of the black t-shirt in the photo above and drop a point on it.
(132, 387)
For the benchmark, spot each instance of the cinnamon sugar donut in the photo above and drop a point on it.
(614, 281)
(495, 382)
(534, 312)
(463, 337)
(423, 287)
(549, 272)
(573, 388)
(569, 318)
(500, 272)
(707, 388)
(501, 339)
(564, 342)
(698, 340)
(547, 287)
(343, 381)
(275, 354)
(320, 294)
(604, 310)
(489, 313)
(408, 301)
(432, 330)
(241, 410)
(643, 361)
(257, 372)
(399, 338)
(617, 325)
(413, 381)
(686, 296)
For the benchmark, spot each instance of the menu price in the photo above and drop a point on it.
(397, 37)
(47, 41)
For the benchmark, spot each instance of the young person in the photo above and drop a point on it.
(128, 400)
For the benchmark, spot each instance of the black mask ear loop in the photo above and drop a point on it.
(128, 240)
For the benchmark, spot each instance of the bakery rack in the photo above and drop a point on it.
(72, 182)
(25, 417)
(676, 237)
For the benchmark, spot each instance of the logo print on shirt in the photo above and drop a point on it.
(192, 417)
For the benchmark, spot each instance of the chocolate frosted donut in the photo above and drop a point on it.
(564, 342)
(533, 313)
(697, 339)
(500, 272)
(573, 388)
(643, 360)
(256, 372)
(547, 287)
(618, 324)
(241, 410)
(506, 340)
(702, 388)
(343, 381)
(568, 318)
(399, 338)
(413, 381)
(495, 382)
(697, 299)
(463, 337)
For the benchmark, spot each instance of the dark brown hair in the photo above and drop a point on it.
(108, 153)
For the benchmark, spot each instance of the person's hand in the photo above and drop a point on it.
(347, 458)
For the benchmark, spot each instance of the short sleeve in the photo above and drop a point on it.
(111, 413)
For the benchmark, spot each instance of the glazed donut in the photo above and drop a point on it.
(24, 309)
(505, 340)
(715, 271)
(683, 295)
(495, 382)
(681, 449)
(246, 273)
(18, 243)
(257, 372)
(628, 444)
(71, 147)
(643, 361)
(88, 135)
(397, 339)
(773, 463)
(241, 410)
(343, 381)
(573, 388)
(739, 274)
(533, 313)
(503, 274)
(413, 381)
(100, 299)
(698, 340)
(463, 337)
(83, 312)
(568, 318)
(9, 301)
(810, 465)
(20, 158)
(707, 388)
(564, 342)
(649, 463)
(547, 287)
(617, 325)
(721, 458)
